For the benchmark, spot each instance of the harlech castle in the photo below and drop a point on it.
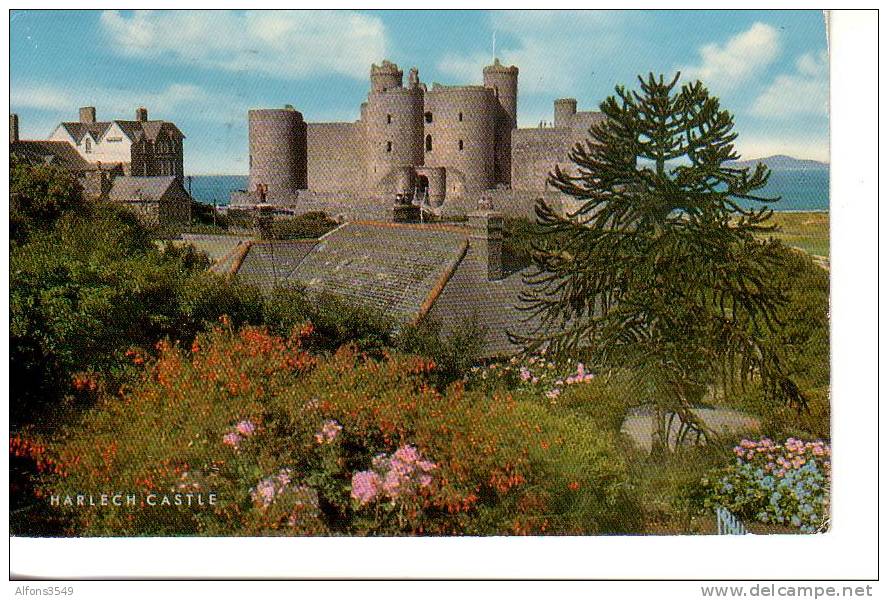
(445, 147)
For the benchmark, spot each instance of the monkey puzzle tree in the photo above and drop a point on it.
(658, 273)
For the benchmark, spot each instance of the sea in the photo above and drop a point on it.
(798, 190)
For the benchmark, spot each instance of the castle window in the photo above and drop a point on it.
(87, 146)
(460, 118)
(428, 142)
(460, 144)
(388, 118)
(388, 146)
(428, 117)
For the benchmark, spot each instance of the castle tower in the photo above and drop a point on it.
(278, 151)
(565, 109)
(394, 124)
(460, 128)
(504, 83)
(385, 77)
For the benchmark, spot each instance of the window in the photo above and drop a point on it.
(388, 146)
(388, 118)
(87, 146)
(428, 143)
(428, 117)
(460, 116)
(460, 144)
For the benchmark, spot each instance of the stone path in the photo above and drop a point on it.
(638, 426)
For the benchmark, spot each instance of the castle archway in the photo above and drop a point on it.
(422, 186)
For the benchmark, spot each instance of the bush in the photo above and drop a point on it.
(312, 224)
(290, 443)
(785, 484)
(335, 321)
(452, 354)
(38, 195)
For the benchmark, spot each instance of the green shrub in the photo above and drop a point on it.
(452, 354)
(586, 475)
(38, 195)
(336, 321)
(669, 487)
(312, 224)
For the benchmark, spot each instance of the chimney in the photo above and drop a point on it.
(486, 238)
(141, 114)
(13, 128)
(88, 114)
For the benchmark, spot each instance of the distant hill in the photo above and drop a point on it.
(781, 162)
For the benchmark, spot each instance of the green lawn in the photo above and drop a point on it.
(808, 231)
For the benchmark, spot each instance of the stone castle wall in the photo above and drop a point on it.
(336, 157)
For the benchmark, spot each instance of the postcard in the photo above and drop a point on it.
(418, 274)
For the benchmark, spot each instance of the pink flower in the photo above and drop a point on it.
(231, 439)
(328, 432)
(265, 492)
(392, 483)
(407, 454)
(365, 486)
(246, 428)
(525, 374)
(426, 465)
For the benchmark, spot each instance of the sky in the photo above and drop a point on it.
(204, 70)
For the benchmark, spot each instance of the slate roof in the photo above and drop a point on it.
(134, 130)
(60, 154)
(273, 264)
(145, 189)
(403, 271)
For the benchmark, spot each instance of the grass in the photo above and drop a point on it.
(807, 231)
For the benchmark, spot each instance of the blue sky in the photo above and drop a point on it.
(204, 70)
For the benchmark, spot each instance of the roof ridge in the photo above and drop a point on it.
(442, 282)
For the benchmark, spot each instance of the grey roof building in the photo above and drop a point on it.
(157, 200)
(452, 274)
(57, 154)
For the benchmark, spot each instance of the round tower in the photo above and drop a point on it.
(393, 120)
(460, 136)
(504, 83)
(385, 77)
(278, 157)
(565, 109)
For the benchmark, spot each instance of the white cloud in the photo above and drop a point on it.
(111, 103)
(726, 67)
(40, 97)
(548, 47)
(804, 92)
(282, 44)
